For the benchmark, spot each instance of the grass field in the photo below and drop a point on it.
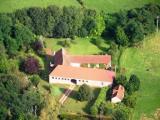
(71, 105)
(82, 46)
(145, 62)
(107, 5)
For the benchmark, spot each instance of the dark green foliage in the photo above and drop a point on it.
(95, 109)
(35, 79)
(61, 22)
(130, 101)
(133, 84)
(85, 93)
(11, 45)
(132, 25)
(120, 114)
(4, 66)
(121, 37)
(37, 16)
(121, 79)
(23, 36)
(5, 25)
(135, 31)
(61, 30)
(16, 104)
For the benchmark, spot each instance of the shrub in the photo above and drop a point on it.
(133, 84)
(84, 93)
(35, 79)
(130, 101)
(100, 99)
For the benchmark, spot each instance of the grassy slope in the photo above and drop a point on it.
(107, 5)
(138, 60)
(81, 46)
(116, 5)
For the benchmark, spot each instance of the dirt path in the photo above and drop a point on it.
(66, 94)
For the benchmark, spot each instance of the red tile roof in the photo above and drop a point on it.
(63, 58)
(83, 73)
(118, 91)
(97, 59)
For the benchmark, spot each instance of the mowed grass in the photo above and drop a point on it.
(81, 46)
(12, 5)
(111, 6)
(145, 62)
(72, 105)
(106, 5)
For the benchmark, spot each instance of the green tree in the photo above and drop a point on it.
(35, 79)
(23, 36)
(121, 79)
(84, 93)
(120, 114)
(133, 84)
(5, 25)
(37, 16)
(121, 37)
(135, 31)
(11, 45)
(4, 66)
(130, 101)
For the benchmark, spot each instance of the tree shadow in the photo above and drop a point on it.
(90, 103)
(46, 87)
(96, 43)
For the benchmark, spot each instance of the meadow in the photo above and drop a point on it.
(106, 5)
(82, 46)
(145, 63)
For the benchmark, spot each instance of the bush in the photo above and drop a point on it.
(35, 79)
(133, 84)
(100, 99)
(84, 93)
(121, 79)
(130, 101)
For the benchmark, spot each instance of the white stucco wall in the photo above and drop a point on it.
(93, 83)
(75, 64)
(115, 100)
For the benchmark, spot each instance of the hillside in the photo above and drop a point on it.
(144, 62)
(107, 5)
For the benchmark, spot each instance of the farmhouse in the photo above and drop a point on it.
(68, 70)
(117, 94)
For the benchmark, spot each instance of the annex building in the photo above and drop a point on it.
(78, 69)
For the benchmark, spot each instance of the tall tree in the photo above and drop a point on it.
(121, 37)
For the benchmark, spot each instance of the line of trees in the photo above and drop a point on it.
(64, 22)
(127, 28)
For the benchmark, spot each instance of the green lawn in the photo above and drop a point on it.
(145, 62)
(107, 5)
(116, 5)
(82, 46)
(71, 105)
